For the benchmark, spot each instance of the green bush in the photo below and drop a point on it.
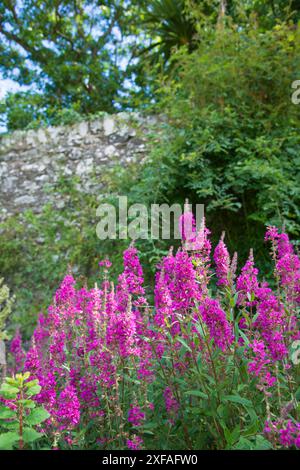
(231, 140)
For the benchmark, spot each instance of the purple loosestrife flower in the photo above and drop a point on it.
(32, 362)
(47, 395)
(163, 300)
(123, 296)
(88, 391)
(176, 290)
(233, 266)
(290, 434)
(105, 263)
(203, 244)
(66, 290)
(41, 334)
(288, 269)
(285, 432)
(193, 241)
(17, 352)
(90, 336)
(185, 286)
(201, 259)
(68, 412)
(271, 323)
(121, 329)
(259, 366)
(145, 365)
(127, 333)
(176, 285)
(107, 369)
(135, 443)
(247, 283)
(219, 328)
(135, 415)
(57, 346)
(187, 227)
(10, 404)
(280, 241)
(133, 272)
(222, 262)
(287, 263)
(172, 405)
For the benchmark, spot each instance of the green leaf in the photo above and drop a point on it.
(262, 444)
(231, 436)
(244, 337)
(184, 344)
(12, 425)
(11, 381)
(9, 391)
(32, 383)
(200, 329)
(30, 435)
(197, 393)
(243, 444)
(6, 413)
(37, 416)
(238, 399)
(149, 425)
(27, 403)
(26, 375)
(34, 390)
(252, 429)
(7, 440)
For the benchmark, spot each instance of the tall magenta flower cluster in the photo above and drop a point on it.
(284, 432)
(108, 359)
(247, 283)
(135, 415)
(222, 262)
(80, 349)
(68, 411)
(218, 326)
(172, 405)
(287, 263)
(259, 364)
(17, 352)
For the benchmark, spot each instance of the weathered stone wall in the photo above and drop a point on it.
(31, 162)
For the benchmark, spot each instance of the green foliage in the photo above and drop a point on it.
(86, 57)
(5, 308)
(232, 138)
(20, 414)
(20, 110)
(170, 26)
(66, 117)
(69, 51)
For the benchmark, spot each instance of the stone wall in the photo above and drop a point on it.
(32, 162)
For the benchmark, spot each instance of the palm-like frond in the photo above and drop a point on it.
(168, 21)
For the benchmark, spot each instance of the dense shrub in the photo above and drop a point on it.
(204, 367)
(231, 138)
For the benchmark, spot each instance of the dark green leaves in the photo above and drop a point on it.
(7, 440)
(21, 415)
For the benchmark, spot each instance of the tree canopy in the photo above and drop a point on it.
(91, 56)
(71, 53)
